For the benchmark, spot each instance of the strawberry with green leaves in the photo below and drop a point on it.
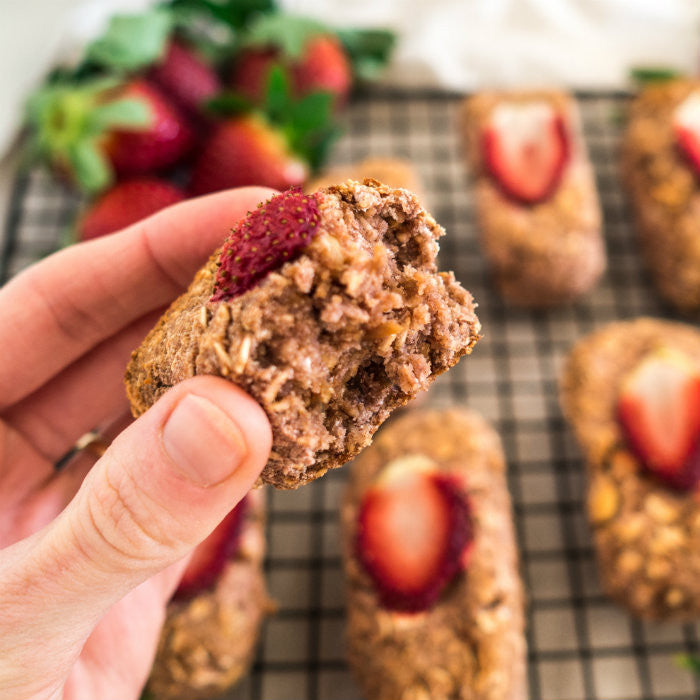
(92, 131)
(278, 146)
(150, 42)
(316, 57)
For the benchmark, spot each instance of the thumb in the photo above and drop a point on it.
(160, 489)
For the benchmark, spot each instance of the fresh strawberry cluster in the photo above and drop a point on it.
(274, 233)
(209, 95)
(414, 534)
(659, 412)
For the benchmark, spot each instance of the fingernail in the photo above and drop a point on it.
(203, 442)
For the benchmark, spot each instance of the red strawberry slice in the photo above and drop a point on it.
(210, 557)
(125, 204)
(414, 533)
(246, 151)
(274, 233)
(686, 125)
(659, 411)
(525, 148)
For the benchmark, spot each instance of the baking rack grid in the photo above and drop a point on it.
(581, 647)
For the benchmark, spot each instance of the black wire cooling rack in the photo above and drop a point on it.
(581, 646)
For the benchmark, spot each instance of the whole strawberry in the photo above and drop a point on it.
(317, 57)
(250, 72)
(90, 132)
(321, 65)
(161, 143)
(246, 150)
(185, 77)
(125, 204)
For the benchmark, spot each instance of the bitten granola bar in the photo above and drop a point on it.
(355, 323)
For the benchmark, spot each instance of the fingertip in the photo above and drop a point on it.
(242, 409)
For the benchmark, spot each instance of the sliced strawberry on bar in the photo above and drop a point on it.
(414, 533)
(210, 557)
(686, 125)
(525, 148)
(659, 411)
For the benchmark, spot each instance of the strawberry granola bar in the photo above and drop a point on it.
(435, 603)
(328, 309)
(536, 200)
(212, 623)
(660, 165)
(632, 394)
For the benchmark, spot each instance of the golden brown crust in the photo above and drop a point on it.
(207, 642)
(647, 536)
(664, 193)
(549, 253)
(471, 644)
(330, 343)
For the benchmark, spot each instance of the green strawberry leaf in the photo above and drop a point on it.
(235, 14)
(314, 111)
(278, 95)
(310, 128)
(132, 42)
(369, 50)
(288, 32)
(307, 123)
(644, 75)
(228, 104)
(66, 120)
(126, 112)
(90, 167)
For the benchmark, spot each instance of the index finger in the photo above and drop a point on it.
(60, 308)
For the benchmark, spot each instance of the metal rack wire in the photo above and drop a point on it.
(581, 647)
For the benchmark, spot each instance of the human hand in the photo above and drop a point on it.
(93, 552)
